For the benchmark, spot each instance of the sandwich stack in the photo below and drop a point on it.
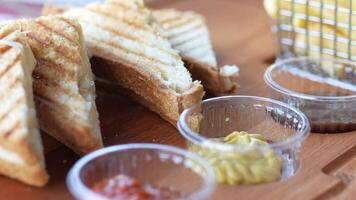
(53, 53)
(129, 50)
(63, 82)
(45, 74)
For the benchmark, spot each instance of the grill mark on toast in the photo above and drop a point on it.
(130, 52)
(58, 49)
(15, 83)
(75, 118)
(182, 23)
(5, 49)
(15, 105)
(12, 86)
(42, 78)
(180, 33)
(12, 130)
(75, 27)
(206, 47)
(128, 22)
(168, 19)
(57, 107)
(126, 61)
(68, 22)
(187, 40)
(39, 97)
(9, 66)
(50, 103)
(132, 38)
(6, 34)
(54, 31)
(61, 69)
(125, 7)
(116, 32)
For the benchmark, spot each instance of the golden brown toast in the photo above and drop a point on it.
(129, 50)
(63, 82)
(21, 151)
(188, 33)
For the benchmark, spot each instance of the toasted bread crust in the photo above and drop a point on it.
(147, 89)
(65, 130)
(21, 143)
(32, 175)
(33, 171)
(189, 35)
(130, 51)
(212, 80)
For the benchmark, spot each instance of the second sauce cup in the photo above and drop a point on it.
(248, 140)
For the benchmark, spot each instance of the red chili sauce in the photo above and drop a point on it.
(122, 187)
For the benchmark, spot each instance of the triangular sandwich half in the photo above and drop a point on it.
(21, 151)
(188, 33)
(129, 50)
(63, 82)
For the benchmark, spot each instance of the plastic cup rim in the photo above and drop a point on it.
(78, 189)
(277, 87)
(196, 138)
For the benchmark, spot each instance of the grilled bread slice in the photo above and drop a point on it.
(129, 50)
(63, 82)
(188, 33)
(21, 151)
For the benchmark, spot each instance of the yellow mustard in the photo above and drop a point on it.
(252, 165)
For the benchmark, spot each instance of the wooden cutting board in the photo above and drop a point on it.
(240, 30)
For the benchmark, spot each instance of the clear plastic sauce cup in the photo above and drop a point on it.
(283, 128)
(153, 165)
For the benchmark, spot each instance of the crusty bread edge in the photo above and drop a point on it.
(28, 146)
(77, 140)
(32, 171)
(33, 175)
(213, 81)
(147, 89)
(80, 135)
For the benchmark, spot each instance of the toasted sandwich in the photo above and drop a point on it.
(63, 82)
(21, 151)
(188, 33)
(129, 50)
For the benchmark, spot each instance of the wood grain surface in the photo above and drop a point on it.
(240, 30)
